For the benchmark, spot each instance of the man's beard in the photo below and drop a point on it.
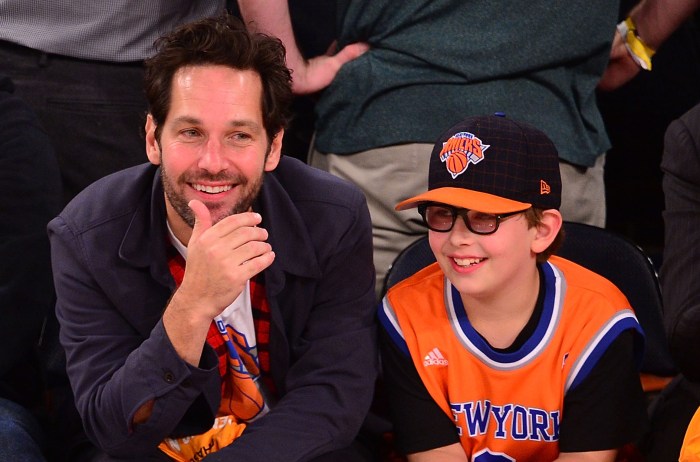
(249, 191)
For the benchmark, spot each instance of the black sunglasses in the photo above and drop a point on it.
(441, 218)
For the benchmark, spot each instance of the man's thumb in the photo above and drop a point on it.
(202, 217)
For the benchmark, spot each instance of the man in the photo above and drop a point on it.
(261, 347)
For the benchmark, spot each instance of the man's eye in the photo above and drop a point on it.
(190, 133)
(241, 137)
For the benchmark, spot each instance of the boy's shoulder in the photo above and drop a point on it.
(424, 280)
(582, 282)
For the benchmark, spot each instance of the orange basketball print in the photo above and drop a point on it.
(456, 162)
(461, 149)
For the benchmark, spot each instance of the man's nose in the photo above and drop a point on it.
(213, 159)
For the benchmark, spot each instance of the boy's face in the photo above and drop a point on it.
(484, 266)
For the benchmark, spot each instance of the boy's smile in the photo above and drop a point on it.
(486, 265)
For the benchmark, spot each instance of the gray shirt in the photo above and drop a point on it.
(116, 31)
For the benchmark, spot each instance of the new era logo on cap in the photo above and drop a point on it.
(544, 187)
(520, 169)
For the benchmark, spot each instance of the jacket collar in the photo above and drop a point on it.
(145, 240)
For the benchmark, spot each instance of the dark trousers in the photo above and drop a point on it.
(93, 111)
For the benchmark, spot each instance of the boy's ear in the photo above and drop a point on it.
(547, 230)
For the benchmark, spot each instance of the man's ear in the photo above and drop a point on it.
(547, 230)
(273, 157)
(152, 148)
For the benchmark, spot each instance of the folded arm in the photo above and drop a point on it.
(656, 20)
(308, 75)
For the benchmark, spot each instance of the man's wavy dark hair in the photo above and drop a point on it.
(223, 41)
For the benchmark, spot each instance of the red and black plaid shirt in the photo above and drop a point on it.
(261, 321)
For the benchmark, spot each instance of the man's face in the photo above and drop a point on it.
(213, 145)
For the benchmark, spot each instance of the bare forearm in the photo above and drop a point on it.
(592, 456)
(451, 453)
(657, 19)
(272, 17)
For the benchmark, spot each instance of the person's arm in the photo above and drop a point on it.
(594, 456)
(308, 76)
(452, 453)
(330, 323)
(220, 259)
(607, 409)
(680, 164)
(115, 363)
(655, 21)
(421, 428)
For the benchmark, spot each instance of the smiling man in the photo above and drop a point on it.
(218, 301)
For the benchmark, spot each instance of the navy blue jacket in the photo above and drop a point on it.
(112, 283)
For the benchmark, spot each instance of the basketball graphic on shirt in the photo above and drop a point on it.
(460, 150)
(241, 396)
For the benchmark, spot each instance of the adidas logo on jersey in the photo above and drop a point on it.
(434, 358)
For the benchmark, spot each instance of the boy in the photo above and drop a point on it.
(498, 352)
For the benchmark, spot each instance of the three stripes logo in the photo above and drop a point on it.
(434, 358)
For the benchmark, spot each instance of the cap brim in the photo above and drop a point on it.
(467, 199)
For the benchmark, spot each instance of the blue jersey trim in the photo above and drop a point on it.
(596, 350)
(387, 318)
(546, 325)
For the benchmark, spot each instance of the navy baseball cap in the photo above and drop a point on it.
(492, 164)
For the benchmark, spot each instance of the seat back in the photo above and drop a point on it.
(626, 265)
(411, 259)
(604, 252)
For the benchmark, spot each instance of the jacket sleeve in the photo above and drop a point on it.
(681, 264)
(333, 364)
(113, 367)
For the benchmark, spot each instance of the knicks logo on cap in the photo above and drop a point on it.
(461, 149)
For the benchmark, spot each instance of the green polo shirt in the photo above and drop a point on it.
(434, 62)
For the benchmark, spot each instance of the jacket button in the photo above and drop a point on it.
(169, 377)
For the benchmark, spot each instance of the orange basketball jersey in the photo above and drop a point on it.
(507, 406)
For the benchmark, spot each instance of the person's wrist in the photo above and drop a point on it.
(639, 51)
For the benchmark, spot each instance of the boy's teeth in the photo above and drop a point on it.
(467, 261)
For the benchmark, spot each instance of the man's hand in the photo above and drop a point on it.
(221, 258)
(317, 73)
(621, 67)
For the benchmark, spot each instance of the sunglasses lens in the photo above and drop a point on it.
(439, 218)
(482, 223)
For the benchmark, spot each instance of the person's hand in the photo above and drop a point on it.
(621, 67)
(317, 73)
(221, 258)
